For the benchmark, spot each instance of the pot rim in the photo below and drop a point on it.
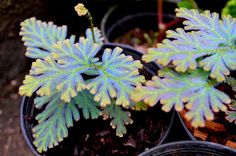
(190, 146)
(190, 135)
(127, 17)
(23, 124)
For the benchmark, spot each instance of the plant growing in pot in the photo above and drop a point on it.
(128, 27)
(198, 69)
(67, 77)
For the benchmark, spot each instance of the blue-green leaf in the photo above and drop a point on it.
(119, 117)
(39, 37)
(54, 122)
(63, 70)
(118, 76)
(210, 44)
(191, 88)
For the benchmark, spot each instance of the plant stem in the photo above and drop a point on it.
(92, 26)
(161, 25)
(172, 23)
(159, 12)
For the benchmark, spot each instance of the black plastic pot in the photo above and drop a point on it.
(190, 148)
(28, 113)
(120, 19)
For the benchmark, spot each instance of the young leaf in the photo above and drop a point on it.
(231, 81)
(54, 122)
(39, 37)
(117, 78)
(210, 45)
(175, 89)
(63, 72)
(139, 106)
(231, 115)
(85, 101)
(119, 118)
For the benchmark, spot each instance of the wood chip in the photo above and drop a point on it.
(200, 134)
(231, 144)
(214, 126)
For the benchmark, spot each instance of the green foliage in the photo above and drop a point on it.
(231, 115)
(232, 82)
(54, 122)
(84, 100)
(230, 8)
(212, 41)
(190, 88)
(188, 4)
(119, 118)
(58, 116)
(202, 54)
(58, 77)
(39, 37)
(116, 78)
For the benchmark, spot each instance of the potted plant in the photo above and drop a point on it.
(87, 78)
(128, 27)
(198, 61)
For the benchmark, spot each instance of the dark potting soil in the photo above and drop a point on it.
(96, 137)
(138, 38)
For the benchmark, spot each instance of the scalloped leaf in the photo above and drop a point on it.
(89, 107)
(175, 89)
(210, 44)
(58, 116)
(203, 103)
(39, 37)
(119, 118)
(117, 78)
(63, 71)
(54, 122)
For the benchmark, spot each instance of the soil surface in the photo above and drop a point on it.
(140, 39)
(97, 138)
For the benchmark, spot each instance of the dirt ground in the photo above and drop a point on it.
(12, 142)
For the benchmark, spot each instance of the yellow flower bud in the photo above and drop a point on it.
(81, 10)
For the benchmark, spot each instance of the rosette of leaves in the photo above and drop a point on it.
(58, 78)
(196, 60)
